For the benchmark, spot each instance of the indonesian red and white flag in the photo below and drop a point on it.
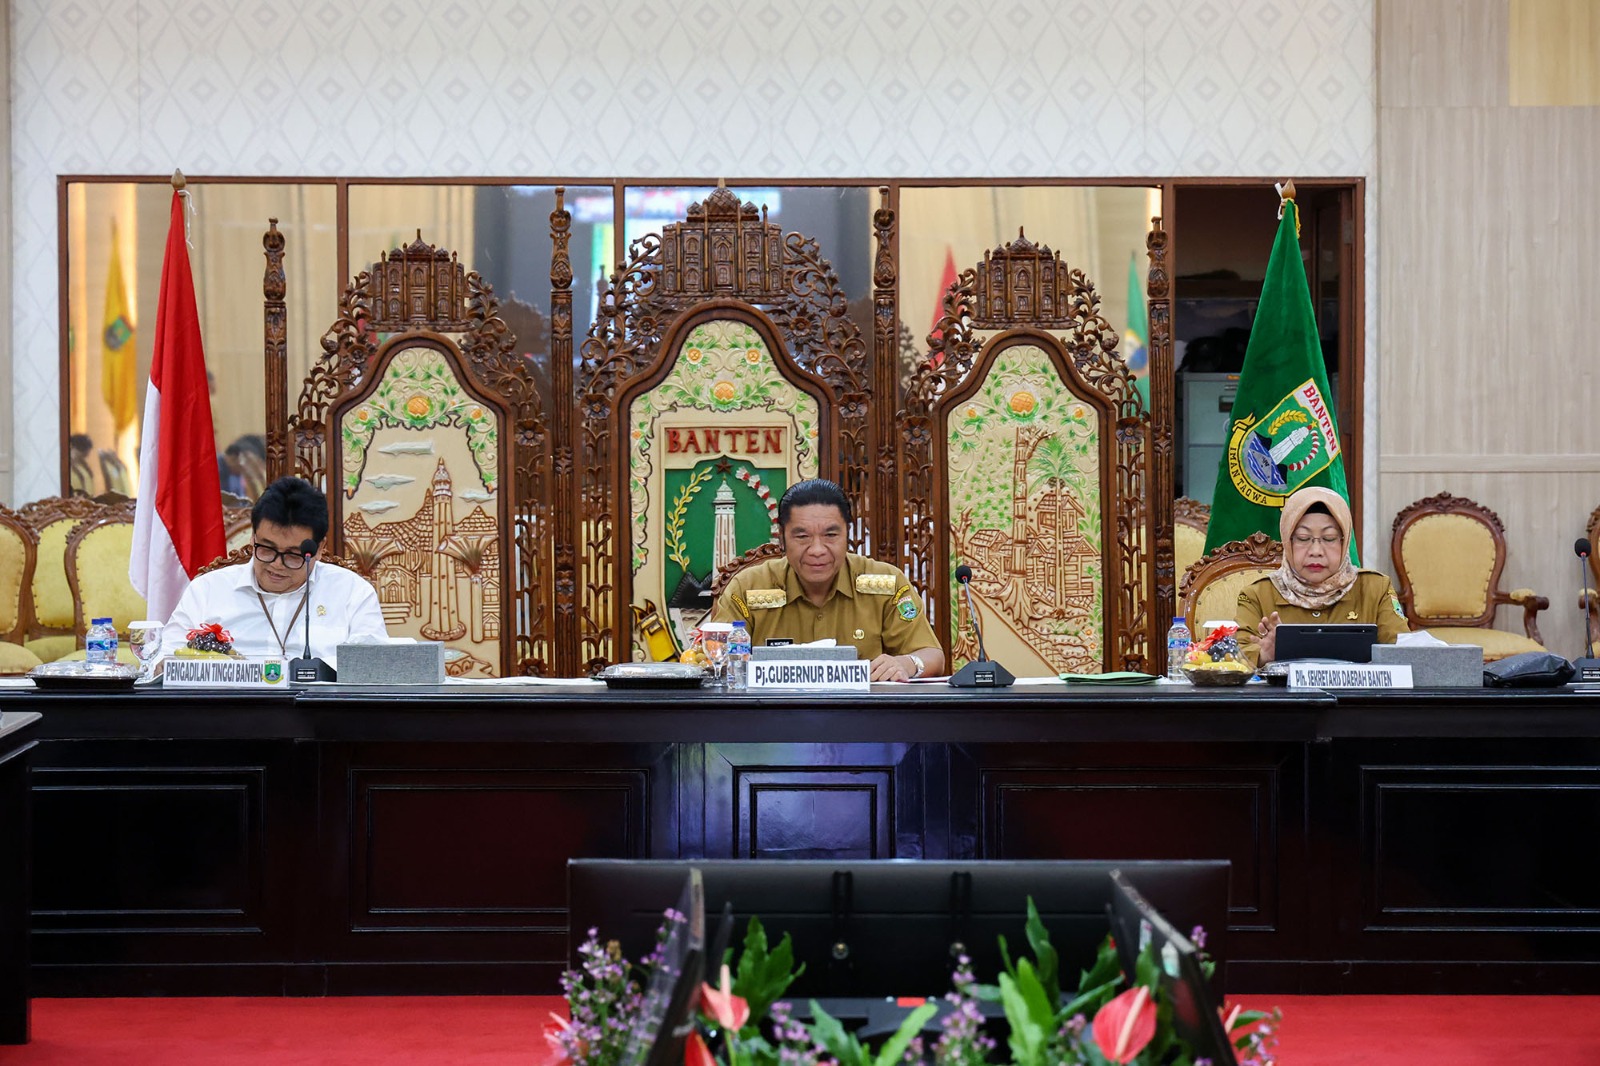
(177, 526)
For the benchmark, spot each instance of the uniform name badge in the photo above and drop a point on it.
(268, 673)
(812, 675)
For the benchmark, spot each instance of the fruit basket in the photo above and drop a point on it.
(1217, 661)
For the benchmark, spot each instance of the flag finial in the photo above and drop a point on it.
(178, 180)
(1286, 197)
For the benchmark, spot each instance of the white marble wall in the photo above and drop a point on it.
(658, 88)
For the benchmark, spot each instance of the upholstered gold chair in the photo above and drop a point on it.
(1189, 521)
(1588, 597)
(97, 572)
(1449, 553)
(52, 613)
(1209, 589)
(17, 557)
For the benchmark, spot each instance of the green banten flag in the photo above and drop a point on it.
(1282, 434)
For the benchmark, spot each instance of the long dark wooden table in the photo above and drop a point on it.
(344, 840)
(16, 742)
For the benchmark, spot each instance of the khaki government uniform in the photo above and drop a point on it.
(872, 607)
(1370, 600)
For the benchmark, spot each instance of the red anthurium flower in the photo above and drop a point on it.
(1125, 1025)
(729, 1010)
(695, 1052)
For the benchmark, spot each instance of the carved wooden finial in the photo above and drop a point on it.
(178, 180)
(722, 183)
(1286, 190)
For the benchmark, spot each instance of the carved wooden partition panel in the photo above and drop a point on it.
(1026, 451)
(732, 275)
(425, 428)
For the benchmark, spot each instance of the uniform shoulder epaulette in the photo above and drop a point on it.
(876, 584)
(765, 599)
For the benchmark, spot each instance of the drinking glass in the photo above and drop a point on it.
(144, 640)
(714, 637)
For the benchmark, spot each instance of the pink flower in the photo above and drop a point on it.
(1125, 1025)
(730, 1011)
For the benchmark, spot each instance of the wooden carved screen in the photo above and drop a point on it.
(1026, 453)
(722, 287)
(425, 428)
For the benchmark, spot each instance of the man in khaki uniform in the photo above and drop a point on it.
(819, 590)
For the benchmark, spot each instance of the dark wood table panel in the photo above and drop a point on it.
(381, 840)
(16, 744)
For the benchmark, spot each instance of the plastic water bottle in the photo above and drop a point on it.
(739, 658)
(100, 642)
(1178, 641)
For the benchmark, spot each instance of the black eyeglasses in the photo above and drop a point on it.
(294, 558)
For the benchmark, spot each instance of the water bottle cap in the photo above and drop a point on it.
(1177, 620)
(100, 621)
(738, 623)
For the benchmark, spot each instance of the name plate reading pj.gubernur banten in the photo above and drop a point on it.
(224, 673)
(812, 675)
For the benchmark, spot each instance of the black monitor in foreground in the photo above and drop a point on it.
(1344, 641)
(1136, 924)
(893, 927)
(668, 1008)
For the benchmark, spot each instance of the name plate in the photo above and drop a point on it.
(224, 673)
(1349, 675)
(812, 674)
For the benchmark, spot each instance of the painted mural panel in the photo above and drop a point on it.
(710, 451)
(1023, 464)
(419, 473)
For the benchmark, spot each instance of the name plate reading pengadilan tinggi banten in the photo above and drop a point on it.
(1349, 675)
(812, 674)
(224, 673)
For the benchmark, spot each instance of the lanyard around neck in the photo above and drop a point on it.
(289, 629)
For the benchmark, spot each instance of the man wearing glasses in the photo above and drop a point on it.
(265, 605)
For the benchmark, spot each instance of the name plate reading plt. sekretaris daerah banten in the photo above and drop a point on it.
(812, 675)
(224, 673)
(1349, 675)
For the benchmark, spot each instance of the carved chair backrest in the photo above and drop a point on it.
(723, 366)
(426, 428)
(97, 572)
(760, 553)
(18, 556)
(1448, 554)
(53, 608)
(1026, 454)
(1189, 521)
(1593, 534)
(1209, 589)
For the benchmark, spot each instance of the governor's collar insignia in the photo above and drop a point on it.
(875, 584)
(765, 599)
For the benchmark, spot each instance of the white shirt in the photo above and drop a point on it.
(342, 607)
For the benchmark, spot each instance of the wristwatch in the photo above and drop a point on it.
(922, 667)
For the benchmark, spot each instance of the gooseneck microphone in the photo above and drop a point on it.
(1588, 667)
(980, 672)
(306, 669)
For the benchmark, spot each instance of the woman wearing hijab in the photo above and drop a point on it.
(1316, 582)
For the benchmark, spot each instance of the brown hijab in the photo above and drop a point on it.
(1288, 583)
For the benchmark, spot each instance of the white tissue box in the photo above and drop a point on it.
(418, 663)
(1436, 666)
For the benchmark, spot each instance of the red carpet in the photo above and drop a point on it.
(506, 1030)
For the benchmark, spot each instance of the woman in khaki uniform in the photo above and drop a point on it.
(1316, 582)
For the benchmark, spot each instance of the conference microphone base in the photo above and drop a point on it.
(1588, 670)
(982, 673)
(308, 671)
